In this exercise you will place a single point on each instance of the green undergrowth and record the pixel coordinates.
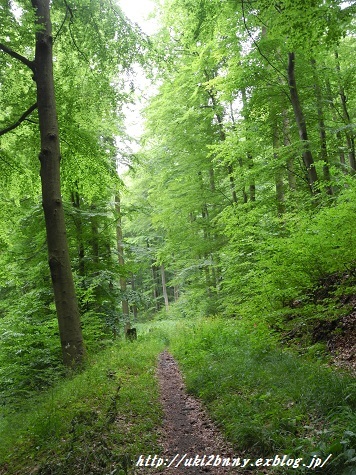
(266, 400)
(95, 422)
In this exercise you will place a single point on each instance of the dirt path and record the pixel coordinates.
(187, 430)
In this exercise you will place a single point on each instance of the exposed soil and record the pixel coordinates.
(338, 333)
(187, 430)
(342, 344)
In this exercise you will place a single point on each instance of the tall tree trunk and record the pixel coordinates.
(230, 168)
(232, 183)
(155, 287)
(58, 252)
(322, 130)
(120, 251)
(338, 133)
(133, 287)
(301, 124)
(155, 292)
(290, 161)
(350, 138)
(252, 186)
(243, 189)
(79, 231)
(164, 287)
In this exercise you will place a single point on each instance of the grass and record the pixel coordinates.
(268, 401)
(95, 422)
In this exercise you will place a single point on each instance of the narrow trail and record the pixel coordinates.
(187, 430)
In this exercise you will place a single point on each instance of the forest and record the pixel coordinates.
(224, 235)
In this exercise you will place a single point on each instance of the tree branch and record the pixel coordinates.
(19, 121)
(256, 44)
(71, 22)
(62, 24)
(19, 57)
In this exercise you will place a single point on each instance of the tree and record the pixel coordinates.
(94, 47)
(120, 251)
(58, 252)
(301, 124)
(240, 113)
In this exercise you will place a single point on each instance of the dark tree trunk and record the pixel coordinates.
(58, 252)
(301, 124)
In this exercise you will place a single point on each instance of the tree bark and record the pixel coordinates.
(155, 292)
(339, 138)
(120, 251)
(301, 124)
(79, 230)
(350, 139)
(222, 134)
(58, 252)
(155, 289)
(252, 186)
(290, 161)
(243, 189)
(133, 287)
(164, 287)
(322, 130)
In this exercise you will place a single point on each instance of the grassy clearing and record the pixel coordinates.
(265, 400)
(95, 422)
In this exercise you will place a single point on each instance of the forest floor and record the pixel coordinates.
(342, 345)
(188, 434)
(102, 419)
(332, 321)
